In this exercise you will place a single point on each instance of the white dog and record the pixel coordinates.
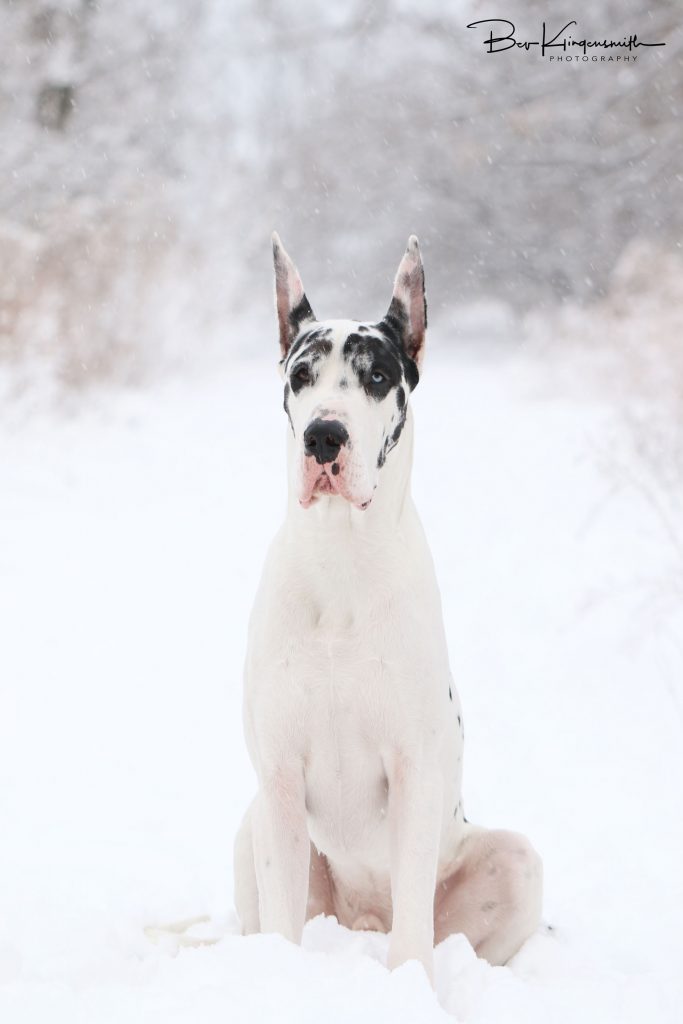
(352, 720)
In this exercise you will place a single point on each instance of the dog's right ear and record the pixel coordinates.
(407, 314)
(293, 308)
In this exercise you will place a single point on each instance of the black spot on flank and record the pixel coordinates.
(335, 469)
(363, 329)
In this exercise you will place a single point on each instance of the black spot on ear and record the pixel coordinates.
(301, 312)
(395, 323)
(412, 374)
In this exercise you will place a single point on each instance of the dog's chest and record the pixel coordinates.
(341, 696)
(348, 717)
(346, 664)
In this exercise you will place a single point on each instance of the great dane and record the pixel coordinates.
(351, 716)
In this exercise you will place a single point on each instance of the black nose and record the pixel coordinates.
(324, 438)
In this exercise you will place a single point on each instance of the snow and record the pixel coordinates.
(134, 527)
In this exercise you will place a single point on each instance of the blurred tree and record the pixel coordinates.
(188, 132)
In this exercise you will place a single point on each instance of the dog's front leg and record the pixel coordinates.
(415, 810)
(282, 851)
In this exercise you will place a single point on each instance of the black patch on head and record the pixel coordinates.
(381, 357)
(395, 327)
(370, 355)
(398, 428)
(392, 440)
(286, 406)
(307, 357)
(312, 334)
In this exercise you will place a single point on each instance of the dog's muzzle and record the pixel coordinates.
(323, 440)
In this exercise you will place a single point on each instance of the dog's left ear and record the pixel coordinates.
(407, 313)
(293, 308)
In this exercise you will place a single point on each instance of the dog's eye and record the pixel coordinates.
(377, 377)
(302, 374)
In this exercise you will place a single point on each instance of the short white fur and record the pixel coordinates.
(351, 716)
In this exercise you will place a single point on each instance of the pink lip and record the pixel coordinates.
(320, 481)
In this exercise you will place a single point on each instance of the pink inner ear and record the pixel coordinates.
(288, 285)
(409, 290)
(289, 293)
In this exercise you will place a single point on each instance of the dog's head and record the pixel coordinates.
(347, 382)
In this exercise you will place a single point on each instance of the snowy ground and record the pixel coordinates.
(131, 541)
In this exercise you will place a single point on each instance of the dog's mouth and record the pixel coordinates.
(326, 480)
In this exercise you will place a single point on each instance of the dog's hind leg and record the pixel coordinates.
(246, 889)
(493, 894)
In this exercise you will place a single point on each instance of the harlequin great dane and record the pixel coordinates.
(351, 717)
